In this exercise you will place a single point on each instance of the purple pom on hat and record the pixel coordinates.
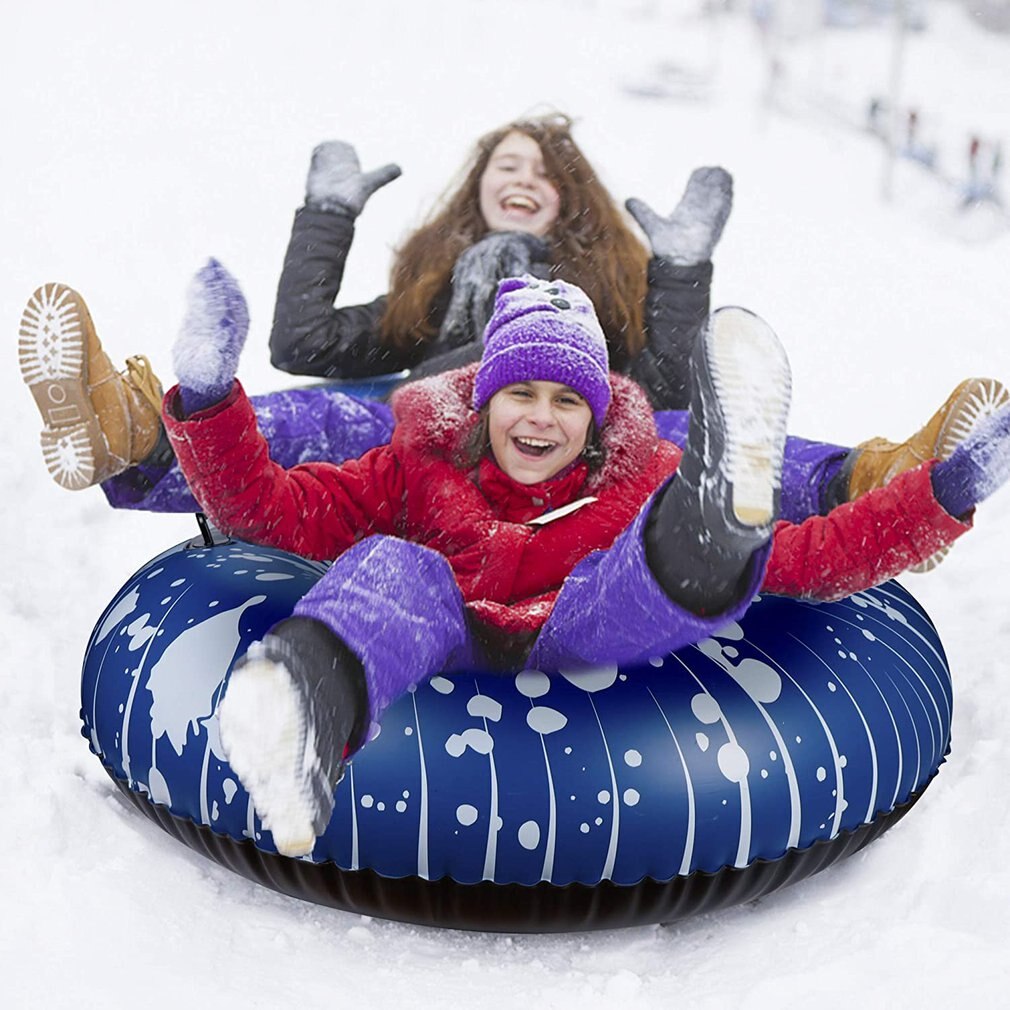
(544, 330)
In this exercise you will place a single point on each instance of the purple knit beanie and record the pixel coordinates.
(544, 330)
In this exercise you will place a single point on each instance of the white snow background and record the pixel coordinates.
(139, 139)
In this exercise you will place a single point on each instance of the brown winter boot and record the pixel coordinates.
(879, 460)
(97, 421)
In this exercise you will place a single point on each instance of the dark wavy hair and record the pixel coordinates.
(591, 244)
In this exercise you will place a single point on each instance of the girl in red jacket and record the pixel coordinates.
(528, 201)
(525, 512)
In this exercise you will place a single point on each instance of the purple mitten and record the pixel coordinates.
(206, 352)
(976, 468)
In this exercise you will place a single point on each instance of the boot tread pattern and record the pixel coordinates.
(978, 399)
(51, 355)
(269, 743)
(69, 456)
(51, 339)
(752, 378)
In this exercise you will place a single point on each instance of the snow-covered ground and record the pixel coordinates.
(138, 140)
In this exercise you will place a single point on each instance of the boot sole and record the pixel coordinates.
(750, 372)
(978, 399)
(51, 353)
(268, 745)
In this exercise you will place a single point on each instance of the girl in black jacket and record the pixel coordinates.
(529, 202)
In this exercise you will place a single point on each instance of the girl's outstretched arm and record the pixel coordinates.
(892, 528)
(862, 543)
(310, 336)
(680, 281)
(317, 510)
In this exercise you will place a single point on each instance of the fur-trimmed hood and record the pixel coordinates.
(434, 416)
(508, 566)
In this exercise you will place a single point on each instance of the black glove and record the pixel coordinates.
(690, 233)
(476, 275)
(336, 182)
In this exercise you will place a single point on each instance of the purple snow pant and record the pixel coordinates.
(807, 469)
(398, 607)
(324, 423)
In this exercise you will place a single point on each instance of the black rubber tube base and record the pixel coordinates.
(515, 908)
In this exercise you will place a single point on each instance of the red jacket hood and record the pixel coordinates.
(434, 416)
(509, 571)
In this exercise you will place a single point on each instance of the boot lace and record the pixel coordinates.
(142, 377)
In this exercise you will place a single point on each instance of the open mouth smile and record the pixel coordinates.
(519, 202)
(534, 448)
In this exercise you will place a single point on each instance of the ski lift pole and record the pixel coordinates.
(897, 67)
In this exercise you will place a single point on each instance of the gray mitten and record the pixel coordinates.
(476, 275)
(336, 182)
(688, 236)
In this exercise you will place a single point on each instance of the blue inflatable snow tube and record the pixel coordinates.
(534, 803)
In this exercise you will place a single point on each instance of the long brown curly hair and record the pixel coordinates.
(591, 244)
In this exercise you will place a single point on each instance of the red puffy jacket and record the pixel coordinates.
(509, 572)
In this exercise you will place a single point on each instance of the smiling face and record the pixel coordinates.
(537, 428)
(515, 192)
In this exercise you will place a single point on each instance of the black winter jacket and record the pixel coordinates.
(312, 337)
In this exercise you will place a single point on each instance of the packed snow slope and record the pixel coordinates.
(138, 140)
